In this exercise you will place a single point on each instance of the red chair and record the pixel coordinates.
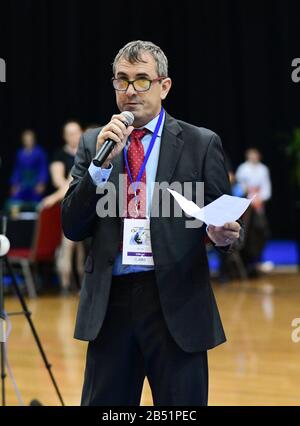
(46, 238)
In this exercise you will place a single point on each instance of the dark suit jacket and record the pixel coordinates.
(187, 153)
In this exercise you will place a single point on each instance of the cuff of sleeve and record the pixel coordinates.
(99, 176)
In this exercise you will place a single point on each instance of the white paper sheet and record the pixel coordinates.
(224, 209)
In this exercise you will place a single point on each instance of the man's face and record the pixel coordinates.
(28, 140)
(253, 156)
(72, 133)
(144, 105)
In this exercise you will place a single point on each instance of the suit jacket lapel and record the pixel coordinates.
(170, 150)
(118, 167)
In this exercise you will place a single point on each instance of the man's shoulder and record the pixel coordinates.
(188, 130)
(191, 130)
(202, 131)
(264, 167)
(243, 166)
(90, 135)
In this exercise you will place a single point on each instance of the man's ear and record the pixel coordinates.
(165, 87)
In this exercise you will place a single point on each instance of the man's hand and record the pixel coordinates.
(115, 130)
(224, 235)
(48, 201)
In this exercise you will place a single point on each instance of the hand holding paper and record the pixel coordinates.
(223, 210)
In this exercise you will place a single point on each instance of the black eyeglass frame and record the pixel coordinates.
(133, 81)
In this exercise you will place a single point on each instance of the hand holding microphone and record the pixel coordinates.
(112, 138)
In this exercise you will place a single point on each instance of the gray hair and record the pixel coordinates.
(131, 52)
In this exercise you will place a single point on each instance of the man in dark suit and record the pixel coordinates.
(143, 320)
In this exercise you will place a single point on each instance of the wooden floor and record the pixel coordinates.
(259, 365)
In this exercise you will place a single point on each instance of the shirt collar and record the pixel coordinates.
(152, 124)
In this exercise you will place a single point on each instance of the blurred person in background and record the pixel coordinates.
(60, 168)
(254, 178)
(30, 174)
(231, 265)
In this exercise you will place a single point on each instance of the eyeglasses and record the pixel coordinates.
(139, 85)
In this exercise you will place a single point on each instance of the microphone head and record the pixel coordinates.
(4, 245)
(129, 117)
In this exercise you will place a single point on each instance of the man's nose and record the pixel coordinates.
(131, 90)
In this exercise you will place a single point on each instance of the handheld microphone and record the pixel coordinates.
(109, 144)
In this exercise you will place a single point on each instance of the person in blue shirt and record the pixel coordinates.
(30, 172)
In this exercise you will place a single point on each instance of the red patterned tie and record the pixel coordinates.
(135, 156)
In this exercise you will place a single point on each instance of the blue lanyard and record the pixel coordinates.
(149, 150)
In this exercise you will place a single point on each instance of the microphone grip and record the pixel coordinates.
(105, 150)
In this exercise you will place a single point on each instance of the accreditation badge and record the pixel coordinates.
(137, 248)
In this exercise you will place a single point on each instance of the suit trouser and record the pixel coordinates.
(135, 342)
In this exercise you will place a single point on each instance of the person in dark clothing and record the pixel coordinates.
(156, 315)
(60, 168)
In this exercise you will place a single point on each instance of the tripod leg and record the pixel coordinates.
(3, 375)
(28, 278)
(2, 334)
(27, 314)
